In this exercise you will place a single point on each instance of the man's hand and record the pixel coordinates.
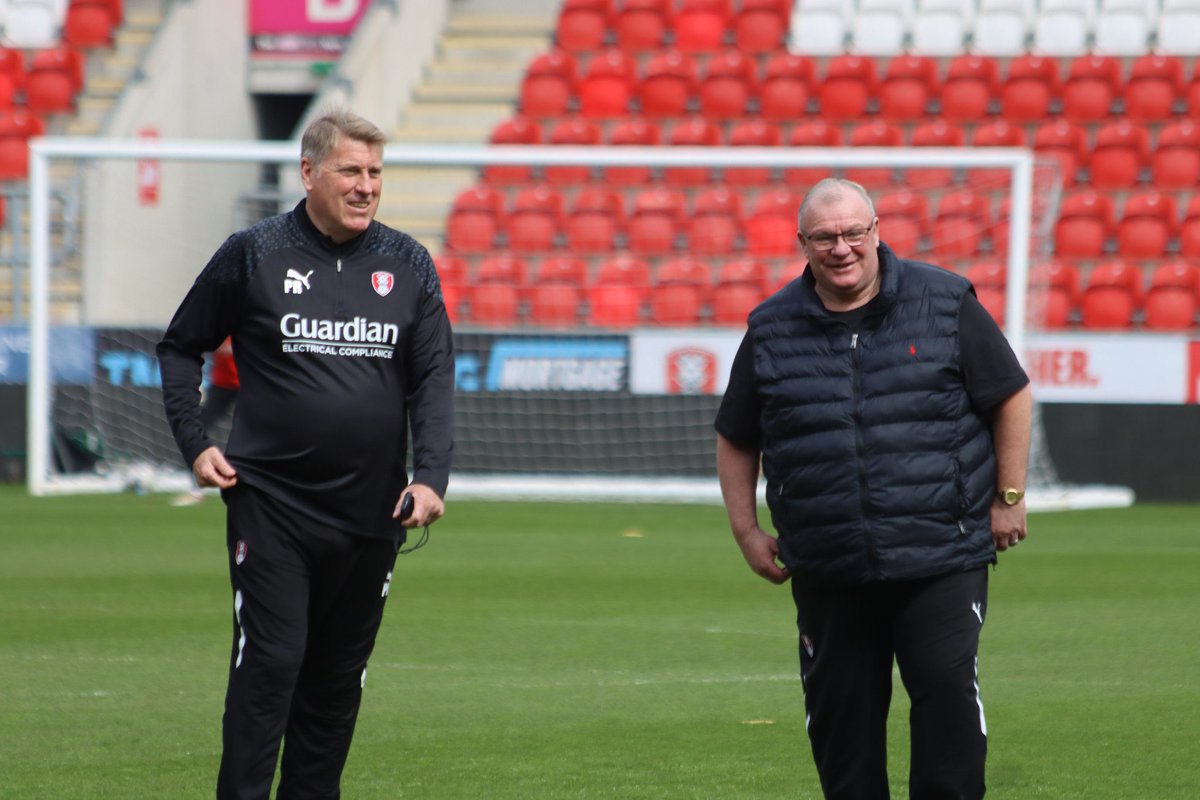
(761, 549)
(1008, 524)
(428, 508)
(211, 469)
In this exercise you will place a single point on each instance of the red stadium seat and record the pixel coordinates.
(760, 26)
(1155, 87)
(642, 25)
(785, 88)
(668, 84)
(959, 226)
(549, 85)
(681, 290)
(1112, 296)
(876, 133)
(1148, 222)
(595, 221)
(503, 268)
(1121, 150)
(16, 129)
(700, 26)
(633, 132)
(1066, 143)
(572, 131)
(903, 220)
(607, 85)
(54, 80)
(476, 216)
(1031, 83)
(556, 296)
(12, 65)
(517, 131)
(1173, 298)
(1093, 83)
(496, 294)
(815, 133)
(937, 133)
(752, 133)
(534, 220)
(691, 132)
(745, 270)
(1085, 222)
(731, 305)
(452, 274)
(728, 85)
(999, 133)
(1189, 232)
(583, 25)
(715, 224)
(741, 285)
(656, 221)
(1054, 293)
(1175, 161)
(972, 81)
(618, 295)
(89, 24)
(909, 84)
(847, 86)
(771, 225)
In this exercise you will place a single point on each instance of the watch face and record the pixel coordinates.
(1012, 496)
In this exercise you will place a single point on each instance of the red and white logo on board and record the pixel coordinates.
(382, 282)
(239, 552)
(691, 370)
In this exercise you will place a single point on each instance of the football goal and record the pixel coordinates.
(551, 404)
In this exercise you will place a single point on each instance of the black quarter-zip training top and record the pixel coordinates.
(340, 348)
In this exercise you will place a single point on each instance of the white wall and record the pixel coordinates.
(140, 260)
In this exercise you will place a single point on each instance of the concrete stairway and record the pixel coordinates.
(472, 83)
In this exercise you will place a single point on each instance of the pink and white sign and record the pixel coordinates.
(320, 17)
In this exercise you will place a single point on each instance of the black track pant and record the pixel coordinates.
(308, 601)
(848, 639)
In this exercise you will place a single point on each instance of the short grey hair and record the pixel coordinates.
(830, 189)
(324, 132)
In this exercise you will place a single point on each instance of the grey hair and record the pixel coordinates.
(830, 189)
(324, 132)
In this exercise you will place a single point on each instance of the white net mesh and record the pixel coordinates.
(592, 346)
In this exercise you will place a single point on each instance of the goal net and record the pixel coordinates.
(590, 361)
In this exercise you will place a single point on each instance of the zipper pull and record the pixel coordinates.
(854, 341)
(339, 265)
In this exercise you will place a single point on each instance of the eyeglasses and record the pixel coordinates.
(855, 237)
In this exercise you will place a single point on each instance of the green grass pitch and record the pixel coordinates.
(579, 651)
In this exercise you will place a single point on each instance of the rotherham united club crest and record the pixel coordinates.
(691, 370)
(382, 282)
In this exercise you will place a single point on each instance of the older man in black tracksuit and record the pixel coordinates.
(342, 345)
(892, 422)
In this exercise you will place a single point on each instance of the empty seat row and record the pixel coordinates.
(1120, 154)
(1150, 226)
(1111, 295)
(907, 87)
(624, 290)
(996, 27)
(692, 26)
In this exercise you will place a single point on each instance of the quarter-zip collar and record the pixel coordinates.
(346, 248)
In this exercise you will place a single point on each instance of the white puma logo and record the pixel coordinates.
(295, 283)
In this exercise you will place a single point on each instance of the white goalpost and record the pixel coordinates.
(77, 165)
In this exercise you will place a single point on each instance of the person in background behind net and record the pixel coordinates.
(343, 345)
(892, 423)
(219, 397)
